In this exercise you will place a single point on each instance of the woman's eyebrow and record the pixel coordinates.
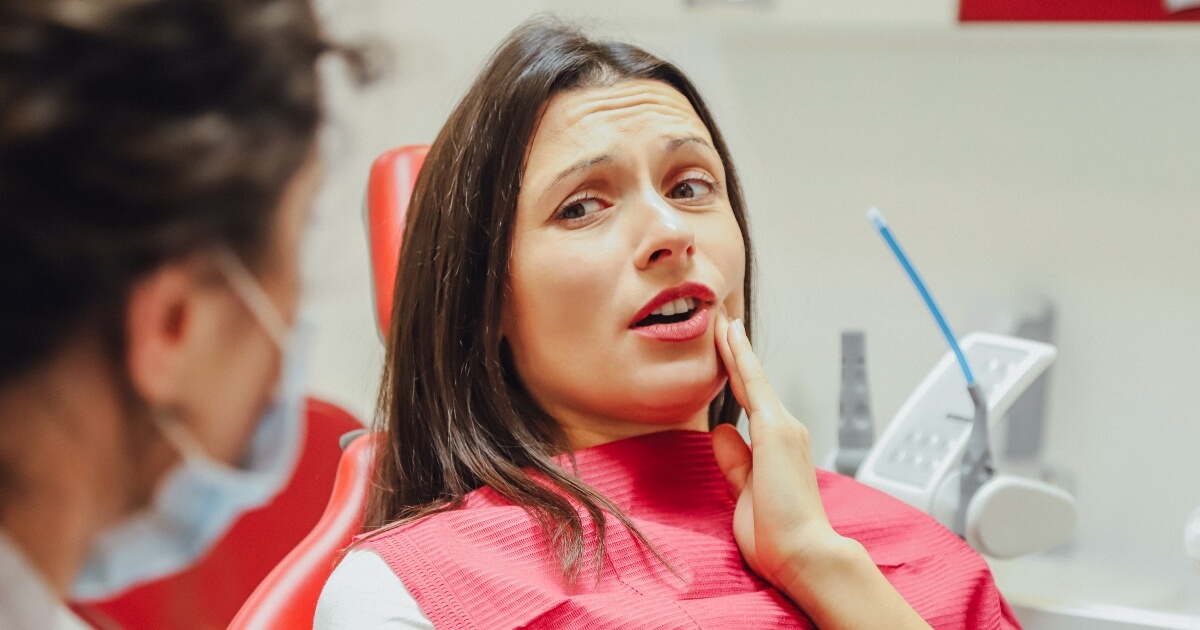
(675, 143)
(578, 166)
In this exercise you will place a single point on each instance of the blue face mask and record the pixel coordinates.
(201, 498)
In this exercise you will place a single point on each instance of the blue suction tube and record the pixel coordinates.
(881, 226)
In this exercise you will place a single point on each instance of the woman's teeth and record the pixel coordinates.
(681, 305)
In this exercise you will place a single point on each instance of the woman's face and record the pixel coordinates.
(624, 244)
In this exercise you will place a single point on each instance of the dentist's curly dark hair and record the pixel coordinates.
(134, 133)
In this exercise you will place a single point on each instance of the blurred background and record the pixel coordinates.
(1046, 163)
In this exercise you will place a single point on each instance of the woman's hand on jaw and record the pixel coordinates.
(779, 522)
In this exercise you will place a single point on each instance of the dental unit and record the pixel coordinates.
(936, 453)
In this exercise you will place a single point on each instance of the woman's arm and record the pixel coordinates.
(780, 523)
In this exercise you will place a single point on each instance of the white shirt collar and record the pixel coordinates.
(26, 601)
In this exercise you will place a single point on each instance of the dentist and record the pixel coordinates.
(157, 162)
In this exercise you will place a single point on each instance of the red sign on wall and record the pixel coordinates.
(1079, 10)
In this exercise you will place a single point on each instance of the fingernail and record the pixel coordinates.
(739, 331)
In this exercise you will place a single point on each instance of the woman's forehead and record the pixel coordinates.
(606, 118)
(617, 102)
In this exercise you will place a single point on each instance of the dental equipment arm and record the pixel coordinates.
(999, 515)
(977, 460)
(976, 467)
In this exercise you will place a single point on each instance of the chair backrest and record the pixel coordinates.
(209, 594)
(287, 598)
(389, 189)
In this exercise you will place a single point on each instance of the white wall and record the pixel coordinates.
(1056, 161)
(1059, 163)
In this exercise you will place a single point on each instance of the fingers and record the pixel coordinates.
(754, 392)
(726, 355)
(733, 456)
(758, 397)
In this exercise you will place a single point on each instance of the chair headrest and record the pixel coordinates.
(389, 190)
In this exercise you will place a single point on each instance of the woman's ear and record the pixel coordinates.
(169, 314)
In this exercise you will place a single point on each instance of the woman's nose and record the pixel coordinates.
(667, 235)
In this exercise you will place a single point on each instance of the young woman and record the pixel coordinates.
(157, 161)
(568, 329)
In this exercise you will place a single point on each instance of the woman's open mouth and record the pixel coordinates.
(677, 314)
(672, 312)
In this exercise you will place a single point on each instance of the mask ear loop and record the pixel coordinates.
(263, 310)
(253, 295)
(172, 429)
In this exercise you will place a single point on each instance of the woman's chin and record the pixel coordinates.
(673, 400)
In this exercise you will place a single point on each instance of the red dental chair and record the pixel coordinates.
(287, 598)
(389, 189)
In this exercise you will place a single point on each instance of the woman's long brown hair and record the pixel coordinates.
(455, 414)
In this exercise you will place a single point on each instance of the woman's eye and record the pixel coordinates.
(580, 209)
(690, 189)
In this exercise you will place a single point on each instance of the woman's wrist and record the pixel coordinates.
(837, 583)
(827, 562)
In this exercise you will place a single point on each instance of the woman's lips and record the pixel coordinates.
(695, 290)
(697, 296)
(685, 330)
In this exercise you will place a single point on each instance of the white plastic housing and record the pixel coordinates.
(1013, 516)
(917, 458)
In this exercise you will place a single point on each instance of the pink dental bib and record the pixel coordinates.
(488, 565)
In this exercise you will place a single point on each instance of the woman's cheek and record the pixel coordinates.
(722, 238)
(562, 286)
